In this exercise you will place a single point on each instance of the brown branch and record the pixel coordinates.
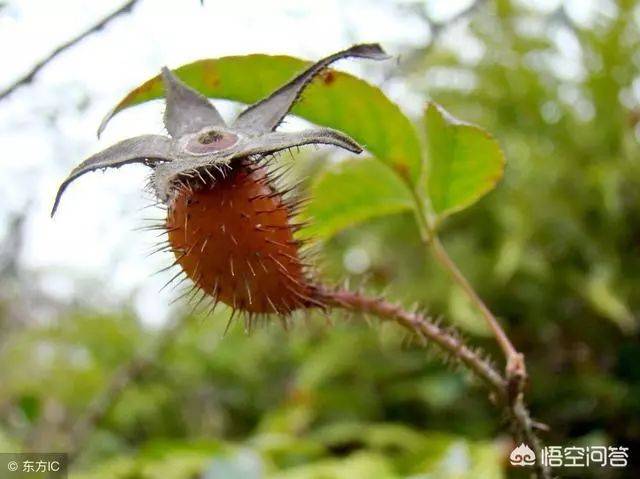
(521, 423)
(423, 327)
(524, 427)
(30, 75)
(515, 370)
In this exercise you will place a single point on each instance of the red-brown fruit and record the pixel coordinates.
(234, 240)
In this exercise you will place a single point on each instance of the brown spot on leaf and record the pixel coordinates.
(143, 92)
(402, 170)
(210, 75)
(328, 77)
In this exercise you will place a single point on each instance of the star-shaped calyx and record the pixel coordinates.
(200, 139)
(229, 225)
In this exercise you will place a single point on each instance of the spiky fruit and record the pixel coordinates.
(230, 232)
(232, 236)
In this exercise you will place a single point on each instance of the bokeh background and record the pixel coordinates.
(554, 251)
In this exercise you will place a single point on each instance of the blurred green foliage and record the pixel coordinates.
(312, 402)
(554, 251)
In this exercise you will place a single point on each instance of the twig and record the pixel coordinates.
(524, 427)
(126, 375)
(515, 370)
(436, 28)
(104, 403)
(29, 76)
(519, 417)
(424, 327)
(515, 360)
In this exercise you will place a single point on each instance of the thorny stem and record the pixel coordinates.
(422, 326)
(516, 375)
(515, 361)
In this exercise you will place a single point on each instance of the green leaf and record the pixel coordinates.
(464, 162)
(354, 191)
(335, 99)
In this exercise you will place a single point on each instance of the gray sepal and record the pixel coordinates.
(147, 149)
(267, 114)
(277, 141)
(187, 111)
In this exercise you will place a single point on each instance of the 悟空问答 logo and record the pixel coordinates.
(522, 455)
